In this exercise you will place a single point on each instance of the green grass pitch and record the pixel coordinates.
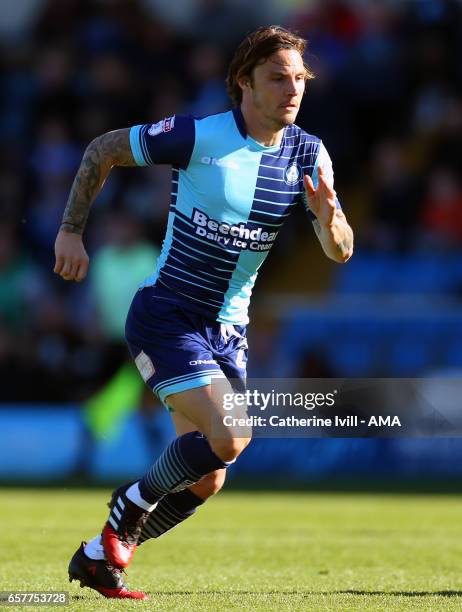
(252, 551)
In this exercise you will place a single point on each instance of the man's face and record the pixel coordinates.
(277, 87)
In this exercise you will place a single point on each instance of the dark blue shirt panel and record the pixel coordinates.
(170, 141)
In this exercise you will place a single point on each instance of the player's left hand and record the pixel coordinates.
(321, 200)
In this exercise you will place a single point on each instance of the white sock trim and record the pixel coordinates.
(134, 495)
(94, 549)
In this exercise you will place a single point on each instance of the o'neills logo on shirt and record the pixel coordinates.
(229, 235)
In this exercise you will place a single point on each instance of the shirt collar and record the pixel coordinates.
(240, 123)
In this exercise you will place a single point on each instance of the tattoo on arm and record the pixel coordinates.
(104, 152)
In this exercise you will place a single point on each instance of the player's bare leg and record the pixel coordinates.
(212, 446)
(203, 407)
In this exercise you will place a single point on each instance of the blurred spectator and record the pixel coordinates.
(110, 86)
(315, 364)
(117, 268)
(20, 280)
(17, 19)
(54, 92)
(224, 23)
(395, 194)
(207, 68)
(54, 161)
(442, 211)
(446, 146)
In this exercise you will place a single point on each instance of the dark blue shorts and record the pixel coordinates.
(176, 349)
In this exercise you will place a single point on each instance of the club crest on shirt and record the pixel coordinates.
(292, 174)
(166, 125)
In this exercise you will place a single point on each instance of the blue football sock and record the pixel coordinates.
(172, 509)
(185, 461)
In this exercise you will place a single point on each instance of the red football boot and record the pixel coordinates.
(100, 576)
(122, 531)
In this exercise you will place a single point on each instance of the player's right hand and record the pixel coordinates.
(71, 258)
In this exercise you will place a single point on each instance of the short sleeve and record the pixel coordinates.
(170, 141)
(324, 161)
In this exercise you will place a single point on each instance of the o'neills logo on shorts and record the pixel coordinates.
(228, 235)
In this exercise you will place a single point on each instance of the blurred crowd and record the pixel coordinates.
(387, 101)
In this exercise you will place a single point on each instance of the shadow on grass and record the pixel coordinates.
(402, 593)
(308, 593)
(153, 594)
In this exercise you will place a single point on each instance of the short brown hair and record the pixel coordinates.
(255, 49)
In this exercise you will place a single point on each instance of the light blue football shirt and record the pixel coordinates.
(230, 197)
